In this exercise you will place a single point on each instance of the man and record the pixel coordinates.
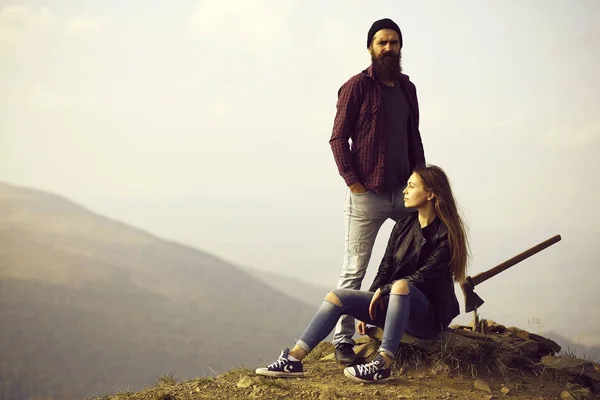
(378, 111)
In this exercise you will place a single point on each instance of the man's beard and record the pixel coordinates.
(388, 66)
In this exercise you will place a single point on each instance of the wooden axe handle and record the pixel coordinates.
(484, 276)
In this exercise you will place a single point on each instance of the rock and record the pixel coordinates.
(580, 370)
(245, 382)
(366, 350)
(505, 390)
(494, 327)
(529, 348)
(375, 333)
(517, 332)
(456, 339)
(446, 338)
(482, 385)
(579, 392)
(564, 395)
(546, 346)
(550, 347)
(362, 339)
(471, 334)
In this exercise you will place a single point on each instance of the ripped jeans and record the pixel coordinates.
(409, 313)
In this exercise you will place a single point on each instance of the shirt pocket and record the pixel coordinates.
(370, 105)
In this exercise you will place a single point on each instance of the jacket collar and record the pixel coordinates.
(437, 225)
(414, 241)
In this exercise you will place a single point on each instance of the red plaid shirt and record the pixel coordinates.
(360, 117)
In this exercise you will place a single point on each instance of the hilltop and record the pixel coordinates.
(506, 362)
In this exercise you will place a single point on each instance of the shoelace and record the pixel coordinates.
(369, 368)
(279, 363)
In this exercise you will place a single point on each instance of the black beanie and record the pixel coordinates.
(385, 23)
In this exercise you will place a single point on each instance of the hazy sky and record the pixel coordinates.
(208, 122)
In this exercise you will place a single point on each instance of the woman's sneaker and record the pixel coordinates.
(283, 367)
(369, 373)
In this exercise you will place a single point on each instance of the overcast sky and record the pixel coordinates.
(208, 122)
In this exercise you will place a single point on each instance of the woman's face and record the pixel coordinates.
(414, 194)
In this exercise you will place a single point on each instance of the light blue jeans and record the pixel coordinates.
(409, 313)
(364, 215)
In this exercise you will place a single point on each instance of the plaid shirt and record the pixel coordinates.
(360, 117)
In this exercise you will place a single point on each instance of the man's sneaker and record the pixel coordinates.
(345, 355)
(369, 373)
(283, 367)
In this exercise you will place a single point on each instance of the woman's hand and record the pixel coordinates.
(361, 327)
(376, 301)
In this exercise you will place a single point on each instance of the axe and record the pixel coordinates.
(472, 300)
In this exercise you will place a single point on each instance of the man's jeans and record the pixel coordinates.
(364, 215)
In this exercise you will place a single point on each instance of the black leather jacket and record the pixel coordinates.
(424, 263)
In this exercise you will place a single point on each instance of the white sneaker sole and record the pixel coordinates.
(355, 379)
(279, 374)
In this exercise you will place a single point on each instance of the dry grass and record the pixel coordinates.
(570, 352)
(481, 357)
(277, 383)
(204, 380)
(168, 379)
(236, 372)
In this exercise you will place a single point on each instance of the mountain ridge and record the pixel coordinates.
(118, 306)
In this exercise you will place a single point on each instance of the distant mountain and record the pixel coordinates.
(305, 292)
(89, 305)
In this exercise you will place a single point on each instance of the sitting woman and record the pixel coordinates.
(414, 287)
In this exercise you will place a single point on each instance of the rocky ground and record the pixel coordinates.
(327, 382)
(502, 363)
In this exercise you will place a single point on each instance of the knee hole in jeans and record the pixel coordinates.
(400, 287)
(333, 298)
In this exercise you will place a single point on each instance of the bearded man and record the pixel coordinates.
(378, 111)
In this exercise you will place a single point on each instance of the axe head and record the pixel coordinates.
(472, 300)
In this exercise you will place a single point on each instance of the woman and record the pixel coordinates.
(414, 287)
